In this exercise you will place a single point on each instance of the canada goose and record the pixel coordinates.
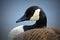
(33, 13)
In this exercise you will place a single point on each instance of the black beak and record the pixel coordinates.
(21, 19)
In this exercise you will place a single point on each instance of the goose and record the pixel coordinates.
(33, 13)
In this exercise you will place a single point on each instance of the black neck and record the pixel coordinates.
(38, 24)
(41, 23)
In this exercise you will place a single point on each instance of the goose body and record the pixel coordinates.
(33, 13)
(15, 31)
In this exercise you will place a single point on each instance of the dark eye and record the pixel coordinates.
(32, 11)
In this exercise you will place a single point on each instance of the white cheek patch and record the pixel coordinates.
(35, 15)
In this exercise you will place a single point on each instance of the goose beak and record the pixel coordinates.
(21, 19)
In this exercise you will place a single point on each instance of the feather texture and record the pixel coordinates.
(40, 34)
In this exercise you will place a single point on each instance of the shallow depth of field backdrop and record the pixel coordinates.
(12, 10)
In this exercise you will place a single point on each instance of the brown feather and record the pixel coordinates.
(40, 34)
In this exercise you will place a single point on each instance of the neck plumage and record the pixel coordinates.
(38, 24)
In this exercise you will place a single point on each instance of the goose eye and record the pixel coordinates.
(32, 11)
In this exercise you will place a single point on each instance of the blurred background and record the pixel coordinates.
(12, 10)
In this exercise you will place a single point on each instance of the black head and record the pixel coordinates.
(33, 13)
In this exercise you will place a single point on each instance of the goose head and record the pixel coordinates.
(34, 13)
